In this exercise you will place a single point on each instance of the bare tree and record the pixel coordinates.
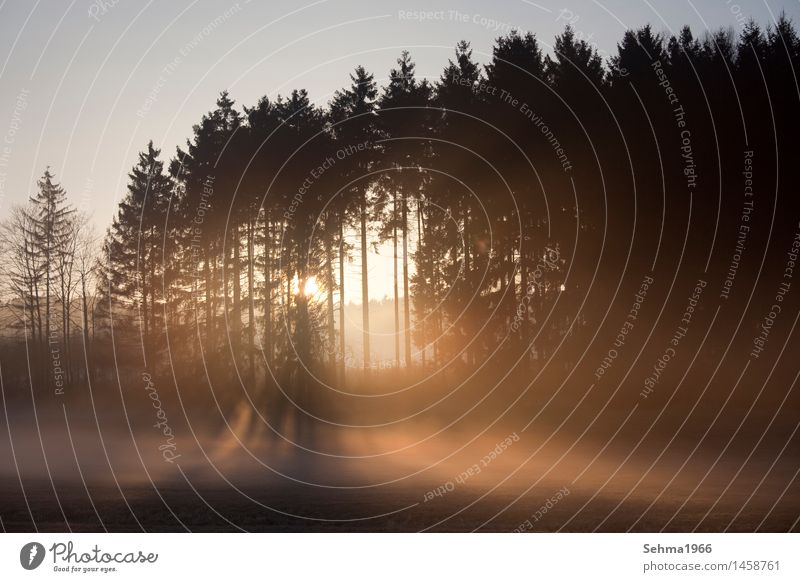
(64, 259)
(87, 250)
(22, 268)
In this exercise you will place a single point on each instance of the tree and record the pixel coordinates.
(575, 67)
(65, 270)
(132, 261)
(23, 268)
(405, 120)
(517, 71)
(52, 233)
(461, 139)
(85, 262)
(353, 125)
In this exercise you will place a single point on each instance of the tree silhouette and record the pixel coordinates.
(352, 113)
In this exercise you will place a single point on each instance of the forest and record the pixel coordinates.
(528, 205)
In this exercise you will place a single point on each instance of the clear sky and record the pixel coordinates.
(84, 84)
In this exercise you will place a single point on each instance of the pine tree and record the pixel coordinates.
(405, 120)
(352, 113)
(132, 260)
(52, 237)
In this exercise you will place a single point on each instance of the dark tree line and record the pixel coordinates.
(505, 190)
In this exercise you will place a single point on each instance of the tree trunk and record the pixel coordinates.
(251, 321)
(86, 345)
(65, 363)
(268, 288)
(420, 238)
(523, 278)
(396, 291)
(287, 314)
(47, 297)
(145, 313)
(31, 314)
(237, 295)
(365, 284)
(468, 288)
(46, 343)
(341, 304)
(40, 343)
(209, 296)
(406, 294)
(329, 283)
(153, 312)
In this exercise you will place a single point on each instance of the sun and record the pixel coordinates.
(310, 288)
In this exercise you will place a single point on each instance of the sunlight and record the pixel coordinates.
(310, 288)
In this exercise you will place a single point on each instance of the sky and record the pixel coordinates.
(84, 84)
